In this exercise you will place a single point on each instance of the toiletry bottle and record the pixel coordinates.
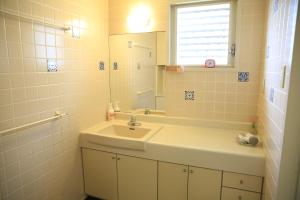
(116, 106)
(110, 112)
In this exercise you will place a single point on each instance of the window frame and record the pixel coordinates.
(232, 29)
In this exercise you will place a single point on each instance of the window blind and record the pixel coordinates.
(202, 33)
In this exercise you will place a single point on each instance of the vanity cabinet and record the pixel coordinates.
(172, 181)
(180, 182)
(109, 175)
(114, 176)
(204, 184)
(137, 178)
(100, 174)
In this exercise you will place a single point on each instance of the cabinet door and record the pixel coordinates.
(172, 181)
(137, 178)
(204, 184)
(100, 174)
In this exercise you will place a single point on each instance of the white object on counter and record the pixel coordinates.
(248, 139)
(110, 112)
(116, 106)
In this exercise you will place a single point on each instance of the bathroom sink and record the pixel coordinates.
(118, 134)
(125, 131)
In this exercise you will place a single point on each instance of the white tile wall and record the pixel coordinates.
(279, 41)
(44, 162)
(218, 94)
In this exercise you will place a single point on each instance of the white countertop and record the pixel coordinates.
(192, 145)
(201, 138)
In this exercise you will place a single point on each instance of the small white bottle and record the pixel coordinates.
(110, 112)
(116, 106)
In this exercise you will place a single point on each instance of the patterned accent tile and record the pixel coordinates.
(115, 66)
(189, 95)
(243, 76)
(101, 65)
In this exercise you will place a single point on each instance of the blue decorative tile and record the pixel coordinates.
(115, 66)
(101, 65)
(243, 76)
(189, 95)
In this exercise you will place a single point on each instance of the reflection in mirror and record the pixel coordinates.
(137, 70)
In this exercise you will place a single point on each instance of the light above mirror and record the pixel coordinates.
(140, 19)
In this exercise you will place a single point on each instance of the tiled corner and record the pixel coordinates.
(273, 98)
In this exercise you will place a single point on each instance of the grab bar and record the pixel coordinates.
(57, 115)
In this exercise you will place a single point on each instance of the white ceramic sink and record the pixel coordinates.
(118, 134)
(124, 131)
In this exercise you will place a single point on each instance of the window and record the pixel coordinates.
(203, 31)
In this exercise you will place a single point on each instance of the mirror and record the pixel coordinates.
(137, 71)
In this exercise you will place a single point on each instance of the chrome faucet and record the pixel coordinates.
(133, 122)
(147, 111)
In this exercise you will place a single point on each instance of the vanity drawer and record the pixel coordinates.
(242, 181)
(235, 194)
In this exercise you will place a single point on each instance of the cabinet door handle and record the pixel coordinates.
(241, 182)
(118, 158)
(113, 157)
(184, 170)
(240, 197)
(191, 171)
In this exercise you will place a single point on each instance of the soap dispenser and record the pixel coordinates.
(110, 112)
